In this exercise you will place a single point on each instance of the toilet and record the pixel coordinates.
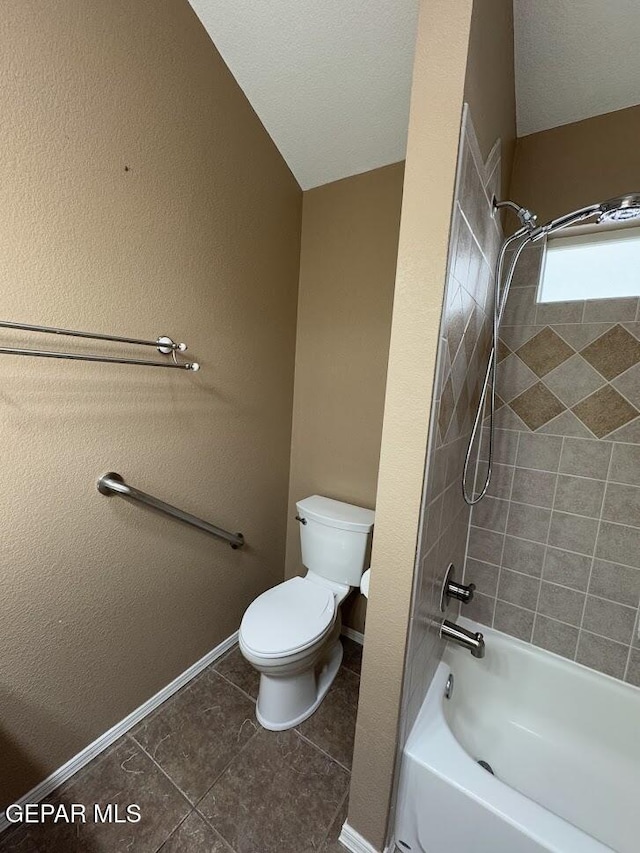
(291, 633)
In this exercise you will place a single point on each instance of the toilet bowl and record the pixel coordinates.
(291, 633)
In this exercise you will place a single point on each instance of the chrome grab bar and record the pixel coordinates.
(113, 484)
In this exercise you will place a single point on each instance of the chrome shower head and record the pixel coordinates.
(620, 209)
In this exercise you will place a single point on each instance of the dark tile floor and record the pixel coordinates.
(209, 779)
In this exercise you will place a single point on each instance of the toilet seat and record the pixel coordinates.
(288, 618)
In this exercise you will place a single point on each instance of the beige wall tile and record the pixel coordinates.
(602, 654)
(513, 620)
(556, 637)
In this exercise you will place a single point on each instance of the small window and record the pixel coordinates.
(590, 264)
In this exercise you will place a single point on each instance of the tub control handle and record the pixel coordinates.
(452, 589)
(463, 592)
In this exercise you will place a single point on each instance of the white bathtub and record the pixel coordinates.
(562, 740)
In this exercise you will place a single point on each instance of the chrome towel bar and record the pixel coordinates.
(113, 484)
(163, 344)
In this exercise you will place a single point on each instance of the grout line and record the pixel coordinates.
(164, 773)
(471, 231)
(595, 551)
(504, 539)
(562, 622)
(562, 435)
(475, 485)
(348, 669)
(556, 323)
(594, 437)
(218, 834)
(546, 549)
(226, 766)
(324, 838)
(323, 751)
(228, 680)
(565, 550)
(597, 517)
(555, 583)
(636, 627)
(175, 785)
(175, 829)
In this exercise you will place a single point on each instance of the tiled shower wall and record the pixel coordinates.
(554, 549)
(464, 345)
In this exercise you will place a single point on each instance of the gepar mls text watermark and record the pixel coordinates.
(73, 813)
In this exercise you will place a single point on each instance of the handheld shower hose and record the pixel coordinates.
(613, 210)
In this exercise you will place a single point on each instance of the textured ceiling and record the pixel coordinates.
(575, 59)
(329, 80)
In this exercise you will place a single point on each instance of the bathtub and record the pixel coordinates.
(563, 742)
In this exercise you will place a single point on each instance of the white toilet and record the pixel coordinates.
(291, 633)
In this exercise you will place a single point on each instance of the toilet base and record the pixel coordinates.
(286, 701)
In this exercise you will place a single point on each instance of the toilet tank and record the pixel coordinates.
(335, 538)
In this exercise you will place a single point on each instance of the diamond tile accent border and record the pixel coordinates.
(574, 380)
(613, 353)
(503, 350)
(604, 411)
(545, 351)
(555, 550)
(537, 405)
(570, 381)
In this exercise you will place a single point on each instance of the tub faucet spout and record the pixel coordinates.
(473, 642)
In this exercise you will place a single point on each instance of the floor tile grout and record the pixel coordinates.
(233, 684)
(213, 829)
(231, 760)
(194, 804)
(167, 702)
(185, 806)
(332, 821)
(323, 751)
(162, 770)
(174, 830)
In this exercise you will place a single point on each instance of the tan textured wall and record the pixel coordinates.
(448, 44)
(489, 84)
(347, 274)
(434, 126)
(567, 167)
(103, 602)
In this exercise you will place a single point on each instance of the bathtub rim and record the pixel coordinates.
(432, 745)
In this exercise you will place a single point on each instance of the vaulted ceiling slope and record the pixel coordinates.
(329, 80)
(575, 59)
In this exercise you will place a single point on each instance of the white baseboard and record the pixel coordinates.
(35, 795)
(353, 841)
(356, 636)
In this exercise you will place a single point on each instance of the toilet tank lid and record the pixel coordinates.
(336, 513)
